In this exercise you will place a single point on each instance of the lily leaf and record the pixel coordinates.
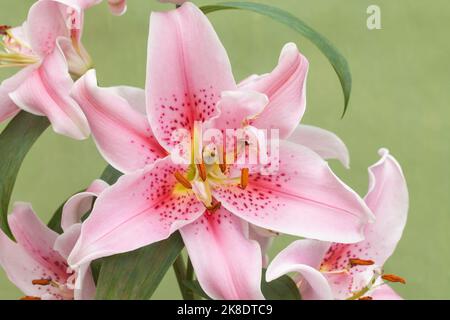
(136, 275)
(283, 288)
(336, 59)
(195, 287)
(15, 141)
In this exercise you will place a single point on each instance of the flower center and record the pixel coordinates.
(14, 52)
(208, 171)
(63, 290)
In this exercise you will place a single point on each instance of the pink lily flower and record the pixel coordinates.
(48, 49)
(37, 262)
(189, 86)
(354, 271)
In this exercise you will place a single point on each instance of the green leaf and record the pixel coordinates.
(283, 288)
(55, 221)
(196, 288)
(110, 175)
(336, 59)
(15, 141)
(137, 274)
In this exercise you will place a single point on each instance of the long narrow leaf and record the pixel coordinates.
(336, 59)
(15, 142)
(136, 275)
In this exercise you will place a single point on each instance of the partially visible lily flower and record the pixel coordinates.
(354, 271)
(48, 49)
(190, 86)
(37, 262)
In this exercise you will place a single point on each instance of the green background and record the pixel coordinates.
(400, 100)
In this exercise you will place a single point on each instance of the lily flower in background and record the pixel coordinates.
(189, 86)
(37, 262)
(48, 49)
(354, 271)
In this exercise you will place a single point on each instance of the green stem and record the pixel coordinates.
(190, 277)
(180, 273)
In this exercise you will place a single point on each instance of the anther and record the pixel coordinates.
(181, 179)
(202, 171)
(41, 282)
(360, 262)
(366, 298)
(30, 298)
(3, 29)
(393, 278)
(244, 178)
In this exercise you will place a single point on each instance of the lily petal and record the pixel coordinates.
(45, 24)
(46, 92)
(121, 132)
(323, 142)
(385, 292)
(117, 7)
(37, 240)
(286, 88)
(79, 204)
(303, 198)
(265, 239)
(303, 257)
(187, 70)
(21, 268)
(156, 206)
(226, 262)
(236, 106)
(388, 200)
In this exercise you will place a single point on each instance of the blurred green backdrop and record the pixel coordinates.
(400, 100)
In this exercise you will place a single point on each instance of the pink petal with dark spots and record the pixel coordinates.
(141, 208)
(187, 70)
(226, 262)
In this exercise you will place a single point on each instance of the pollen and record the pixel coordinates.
(366, 298)
(4, 29)
(393, 278)
(182, 180)
(244, 178)
(30, 298)
(41, 282)
(202, 171)
(360, 262)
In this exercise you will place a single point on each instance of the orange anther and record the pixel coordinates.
(202, 171)
(41, 282)
(393, 278)
(244, 178)
(360, 262)
(181, 179)
(30, 298)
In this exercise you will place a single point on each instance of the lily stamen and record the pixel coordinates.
(4, 28)
(393, 278)
(244, 178)
(41, 282)
(360, 262)
(30, 298)
(182, 180)
(202, 171)
(366, 298)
